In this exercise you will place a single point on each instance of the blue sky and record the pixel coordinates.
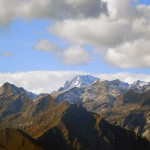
(20, 37)
(145, 1)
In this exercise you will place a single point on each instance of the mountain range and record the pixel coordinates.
(87, 113)
(122, 104)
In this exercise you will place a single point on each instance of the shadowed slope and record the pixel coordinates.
(72, 127)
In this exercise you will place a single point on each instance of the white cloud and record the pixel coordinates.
(49, 9)
(144, 10)
(99, 32)
(105, 31)
(45, 45)
(125, 77)
(131, 54)
(75, 56)
(48, 81)
(38, 81)
(122, 9)
(124, 33)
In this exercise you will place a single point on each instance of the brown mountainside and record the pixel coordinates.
(12, 139)
(72, 127)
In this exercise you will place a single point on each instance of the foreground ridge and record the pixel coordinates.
(72, 127)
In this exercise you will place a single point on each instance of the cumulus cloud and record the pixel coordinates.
(122, 9)
(103, 31)
(107, 31)
(74, 55)
(99, 32)
(119, 33)
(131, 54)
(49, 9)
(48, 81)
(144, 10)
(45, 45)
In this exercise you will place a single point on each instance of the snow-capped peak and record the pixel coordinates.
(139, 84)
(79, 81)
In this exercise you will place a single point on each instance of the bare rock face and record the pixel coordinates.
(98, 92)
(98, 96)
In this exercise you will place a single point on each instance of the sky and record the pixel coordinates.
(43, 43)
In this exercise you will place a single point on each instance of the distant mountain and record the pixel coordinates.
(79, 81)
(98, 92)
(119, 103)
(11, 89)
(140, 86)
(14, 100)
(13, 103)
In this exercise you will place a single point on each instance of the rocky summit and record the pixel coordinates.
(79, 81)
